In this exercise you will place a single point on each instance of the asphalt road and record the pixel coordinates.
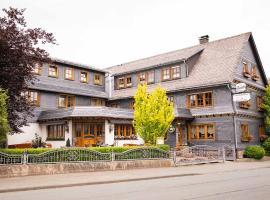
(234, 184)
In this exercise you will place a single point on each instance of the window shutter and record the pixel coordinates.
(38, 98)
(188, 101)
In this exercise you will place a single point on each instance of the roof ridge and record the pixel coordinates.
(76, 64)
(190, 47)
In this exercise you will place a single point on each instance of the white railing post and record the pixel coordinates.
(25, 156)
(174, 156)
(113, 156)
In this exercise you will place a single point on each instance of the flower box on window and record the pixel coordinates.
(263, 137)
(244, 104)
(246, 74)
(255, 77)
(55, 139)
(246, 138)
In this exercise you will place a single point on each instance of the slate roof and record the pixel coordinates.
(154, 61)
(69, 89)
(102, 111)
(216, 65)
(87, 111)
(75, 64)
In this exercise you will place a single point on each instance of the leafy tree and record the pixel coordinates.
(153, 113)
(4, 127)
(266, 107)
(20, 51)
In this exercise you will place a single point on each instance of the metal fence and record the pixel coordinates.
(7, 159)
(198, 154)
(69, 155)
(142, 154)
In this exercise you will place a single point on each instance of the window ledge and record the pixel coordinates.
(255, 78)
(246, 74)
(52, 76)
(246, 139)
(126, 138)
(55, 139)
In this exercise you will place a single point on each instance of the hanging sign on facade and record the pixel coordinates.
(241, 97)
(240, 87)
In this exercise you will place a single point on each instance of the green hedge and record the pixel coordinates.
(266, 145)
(254, 151)
(99, 149)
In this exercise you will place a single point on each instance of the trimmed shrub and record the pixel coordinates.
(99, 149)
(266, 145)
(68, 143)
(254, 151)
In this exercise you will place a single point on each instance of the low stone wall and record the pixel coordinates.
(61, 168)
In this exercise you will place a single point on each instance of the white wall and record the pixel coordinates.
(29, 131)
(27, 135)
(109, 135)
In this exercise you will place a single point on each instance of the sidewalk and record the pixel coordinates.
(92, 178)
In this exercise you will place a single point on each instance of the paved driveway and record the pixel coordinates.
(218, 181)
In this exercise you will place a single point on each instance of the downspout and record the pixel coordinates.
(234, 120)
(186, 67)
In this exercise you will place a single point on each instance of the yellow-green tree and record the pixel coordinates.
(153, 113)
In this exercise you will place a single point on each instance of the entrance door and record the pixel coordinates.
(88, 134)
(179, 137)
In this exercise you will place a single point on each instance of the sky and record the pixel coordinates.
(103, 33)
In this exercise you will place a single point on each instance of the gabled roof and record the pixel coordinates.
(215, 65)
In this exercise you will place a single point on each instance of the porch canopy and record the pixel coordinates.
(183, 113)
(100, 112)
(86, 111)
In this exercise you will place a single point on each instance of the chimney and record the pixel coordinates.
(204, 39)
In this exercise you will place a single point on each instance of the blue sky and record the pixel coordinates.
(105, 32)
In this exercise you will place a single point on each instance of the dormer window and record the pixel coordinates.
(121, 82)
(166, 74)
(84, 77)
(128, 81)
(124, 82)
(69, 73)
(142, 78)
(150, 77)
(97, 79)
(175, 72)
(37, 68)
(53, 71)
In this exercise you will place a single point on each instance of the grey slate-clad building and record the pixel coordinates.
(92, 106)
